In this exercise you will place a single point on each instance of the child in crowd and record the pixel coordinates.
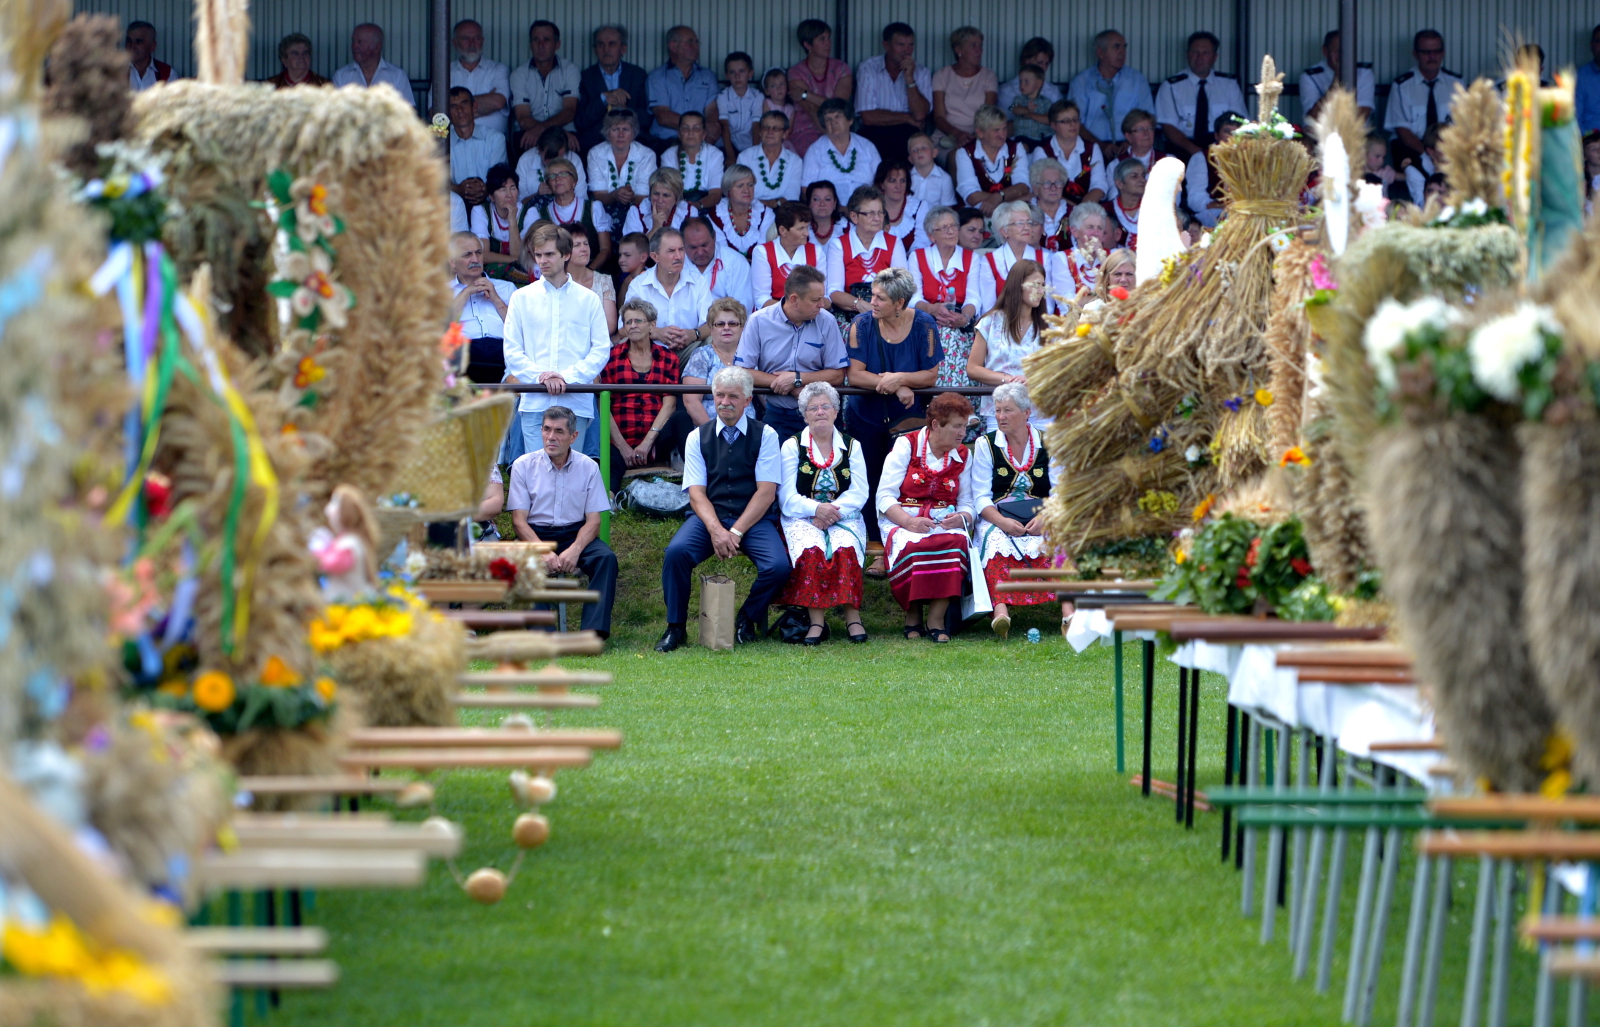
(1029, 112)
(739, 106)
(929, 182)
(1420, 171)
(633, 256)
(530, 168)
(775, 84)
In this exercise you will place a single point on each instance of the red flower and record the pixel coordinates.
(1243, 580)
(503, 570)
(1302, 566)
(1254, 554)
(157, 494)
(1118, 292)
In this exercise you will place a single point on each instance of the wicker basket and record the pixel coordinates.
(449, 468)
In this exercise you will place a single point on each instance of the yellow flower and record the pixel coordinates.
(327, 689)
(1556, 785)
(278, 674)
(1083, 330)
(1180, 557)
(59, 950)
(174, 687)
(1296, 456)
(1204, 506)
(1264, 397)
(213, 691)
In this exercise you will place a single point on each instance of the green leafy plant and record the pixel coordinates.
(1135, 557)
(1237, 566)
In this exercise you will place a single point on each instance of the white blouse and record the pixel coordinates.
(730, 236)
(635, 221)
(850, 502)
(894, 475)
(983, 458)
(703, 173)
(605, 175)
(910, 224)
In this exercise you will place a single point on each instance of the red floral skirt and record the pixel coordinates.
(820, 584)
(930, 568)
(999, 567)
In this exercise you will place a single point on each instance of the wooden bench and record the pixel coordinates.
(498, 699)
(336, 784)
(501, 620)
(263, 869)
(444, 759)
(255, 941)
(425, 737)
(288, 975)
(438, 839)
(440, 591)
(550, 677)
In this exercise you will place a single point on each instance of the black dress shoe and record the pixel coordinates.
(671, 639)
(746, 630)
(811, 639)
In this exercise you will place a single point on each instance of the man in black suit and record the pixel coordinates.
(608, 84)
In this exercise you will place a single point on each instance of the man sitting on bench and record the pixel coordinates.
(557, 496)
(730, 470)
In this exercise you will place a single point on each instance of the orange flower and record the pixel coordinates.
(327, 689)
(213, 691)
(1204, 506)
(453, 340)
(278, 674)
(308, 373)
(1296, 456)
(318, 201)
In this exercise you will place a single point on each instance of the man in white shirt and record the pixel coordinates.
(544, 92)
(731, 467)
(144, 70)
(1316, 80)
(778, 168)
(367, 66)
(1107, 90)
(488, 79)
(680, 299)
(723, 271)
(556, 335)
(1202, 188)
(1420, 97)
(1187, 104)
(893, 92)
(473, 149)
(480, 308)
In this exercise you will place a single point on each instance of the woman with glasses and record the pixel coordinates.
(943, 271)
(822, 490)
(727, 317)
(639, 420)
(1049, 181)
(664, 207)
(1010, 482)
(1084, 166)
(563, 205)
(860, 253)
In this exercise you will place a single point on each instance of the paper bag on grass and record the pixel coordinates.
(718, 603)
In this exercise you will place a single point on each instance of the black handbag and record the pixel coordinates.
(1021, 510)
(791, 625)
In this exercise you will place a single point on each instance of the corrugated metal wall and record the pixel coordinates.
(1476, 31)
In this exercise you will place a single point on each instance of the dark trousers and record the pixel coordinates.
(876, 441)
(486, 361)
(891, 140)
(786, 421)
(691, 546)
(599, 565)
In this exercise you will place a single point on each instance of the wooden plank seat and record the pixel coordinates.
(333, 784)
(286, 975)
(352, 817)
(558, 584)
(445, 759)
(425, 737)
(1562, 929)
(1068, 581)
(1570, 964)
(514, 550)
(500, 699)
(1522, 845)
(256, 941)
(1354, 675)
(1420, 745)
(441, 591)
(502, 620)
(439, 840)
(545, 677)
(1245, 630)
(260, 869)
(1359, 655)
(561, 595)
(1583, 809)
(522, 646)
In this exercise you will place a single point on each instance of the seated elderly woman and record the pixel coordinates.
(1010, 482)
(822, 492)
(924, 503)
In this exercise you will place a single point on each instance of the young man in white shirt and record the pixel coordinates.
(681, 300)
(556, 335)
(1188, 103)
(367, 67)
(144, 70)
(488, 79)
(1316, 80)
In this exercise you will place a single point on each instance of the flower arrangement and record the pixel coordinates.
(54, 947)
(1473, 213)
(1276, 126)
(1232, 565)
(279, 698)
(129, 190)
(1133, 558)
(344, 625)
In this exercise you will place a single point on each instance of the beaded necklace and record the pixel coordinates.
(612, 166)
(699, 170)
(811, 451)
(833, 158)
(1031, 451)
(761, 169)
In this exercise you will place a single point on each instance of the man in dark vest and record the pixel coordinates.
(730, 470)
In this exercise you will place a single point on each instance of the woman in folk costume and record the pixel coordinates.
(1010, 481)
(1086, 170)
(991, 169)
(740, 222)
(1012, 225)
(1131, 177)
(902, 212)
(664, 207)
(771, 262)
(924, 506)
(860, 253)
(1008, 333)
(822, 491)
(943, 271)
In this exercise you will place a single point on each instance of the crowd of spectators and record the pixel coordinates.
(892, 226)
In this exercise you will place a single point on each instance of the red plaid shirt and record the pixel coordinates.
(635, 411)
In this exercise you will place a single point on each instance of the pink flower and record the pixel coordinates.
(1320, 277)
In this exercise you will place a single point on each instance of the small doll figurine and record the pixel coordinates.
(344, 549)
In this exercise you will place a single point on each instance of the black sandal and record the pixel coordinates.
(916, 631)
(939, 635)
(851, 635)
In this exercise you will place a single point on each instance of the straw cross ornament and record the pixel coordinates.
(1269, 89)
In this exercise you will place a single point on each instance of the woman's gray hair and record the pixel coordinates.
(815, 389)
(1016, 393)
(734, 377)
(1043, 164)
(644, 307)
(936, 215)
(736, 174)
(1002, 215)
(897, 284)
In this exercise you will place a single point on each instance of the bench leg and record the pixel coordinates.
(1330, 903)
(1275, 837)
(1147, 651)
(1380, 926)
(1116, 660)
(1227, 778)
(1545, 991)
(1183, 738)
(1500, 971)
(1194, 745)
(1313, 872)
(1413, 953)
(1438, 917)
(1358, 937)
(1472, 998)
(1247, 847)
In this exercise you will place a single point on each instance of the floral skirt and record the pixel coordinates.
(819, 584)
(998, 568)
(957, 345)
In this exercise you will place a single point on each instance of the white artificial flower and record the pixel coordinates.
(1390, 325)
(1501, 347)
(1475, 208)
(1192, 454)
(416, 563)
(1445, 215)
(1371, 204)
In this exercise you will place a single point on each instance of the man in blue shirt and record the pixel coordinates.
(1589, 87)
(1107, 90)
(681, 85)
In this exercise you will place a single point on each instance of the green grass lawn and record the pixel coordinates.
(897, 833)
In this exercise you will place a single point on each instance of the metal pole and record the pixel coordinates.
(1308, 897)
(1194, 744)
(1183, 735)
(1347, 44)
(1116, 644)
(1330, 902)
(841, 29)
(1438, 917)
(1227, 780)
(1147, 652)
(1472, 999)
(605, 462)
(1409, 977)
(1241, 43)
(1500, 968)
(1247, 847)
(439, 55)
